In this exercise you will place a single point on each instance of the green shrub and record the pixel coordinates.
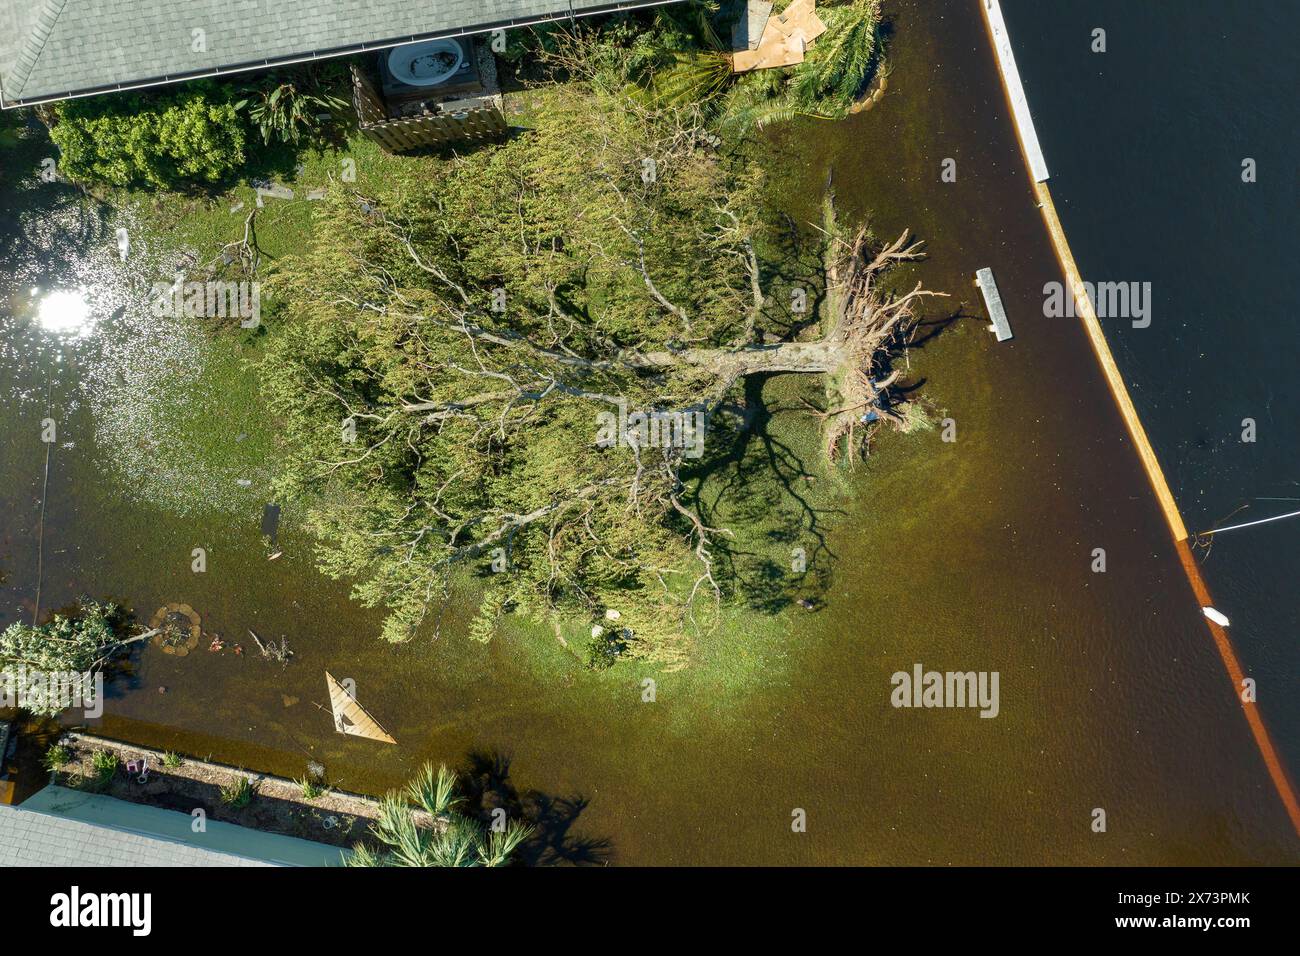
(604, 650)
(238, 794)
(171, 760)
(450, 838)
(56, 758)
(311, 789)
(285, 105)
(104, 763)
(193, 134)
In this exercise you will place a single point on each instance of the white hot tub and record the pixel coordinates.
(426, 64)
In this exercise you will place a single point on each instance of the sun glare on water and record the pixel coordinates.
(64, 312)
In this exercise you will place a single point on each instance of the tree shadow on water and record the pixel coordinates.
(48, 227)
(755, 483)
(487, 786)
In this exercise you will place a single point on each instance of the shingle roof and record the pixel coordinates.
(53, 49)
(61, 827)
(35, 839)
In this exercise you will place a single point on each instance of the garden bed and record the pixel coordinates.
(276, 805)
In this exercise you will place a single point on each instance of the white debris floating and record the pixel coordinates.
(993, 303)
(1214, 616)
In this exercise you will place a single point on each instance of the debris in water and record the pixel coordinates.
(1215, 616)
(274, 191)
(350, 717)
(270, 521)
(270, 649)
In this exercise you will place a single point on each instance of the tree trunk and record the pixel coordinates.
(729, 364)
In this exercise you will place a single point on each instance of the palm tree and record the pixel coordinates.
(825, 85)
(421, 826)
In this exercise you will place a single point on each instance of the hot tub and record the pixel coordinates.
(426, 64)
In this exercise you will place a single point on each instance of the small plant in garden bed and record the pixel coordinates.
(445, 836)
(57, 757)
(103, 764)
(311, 789)
(239, 794)
(171, 760)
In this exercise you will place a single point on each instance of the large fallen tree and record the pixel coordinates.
(451, 352)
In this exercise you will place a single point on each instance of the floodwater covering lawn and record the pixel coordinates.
(970, 555)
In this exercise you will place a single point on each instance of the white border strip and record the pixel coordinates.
(1016, 90)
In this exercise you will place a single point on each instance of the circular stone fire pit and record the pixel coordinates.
(178, 629)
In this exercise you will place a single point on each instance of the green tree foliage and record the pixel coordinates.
(191, 134)
(605, 234)
(836, 71)
(452, 352)
(423, 826)
(67, 643)
(79, 644)
(680, 60)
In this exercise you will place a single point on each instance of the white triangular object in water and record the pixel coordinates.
(350, 717)
(1214, 616)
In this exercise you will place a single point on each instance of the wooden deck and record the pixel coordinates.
(467, 120)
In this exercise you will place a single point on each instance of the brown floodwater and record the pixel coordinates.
(972, 555)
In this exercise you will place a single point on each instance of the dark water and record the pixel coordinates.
(965, 556)
(1145, 143)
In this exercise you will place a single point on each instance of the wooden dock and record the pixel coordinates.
(993, 303)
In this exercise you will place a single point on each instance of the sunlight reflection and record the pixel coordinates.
(64, 312)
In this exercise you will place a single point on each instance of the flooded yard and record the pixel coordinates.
(965, 555)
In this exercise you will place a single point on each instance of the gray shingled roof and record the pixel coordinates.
(62, 827)
(34, 839)
(52, 49)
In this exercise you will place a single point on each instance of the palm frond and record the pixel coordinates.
(434, 793)
(501, 845)
(406, 838)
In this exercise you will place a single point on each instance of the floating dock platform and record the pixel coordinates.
(993, 303)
